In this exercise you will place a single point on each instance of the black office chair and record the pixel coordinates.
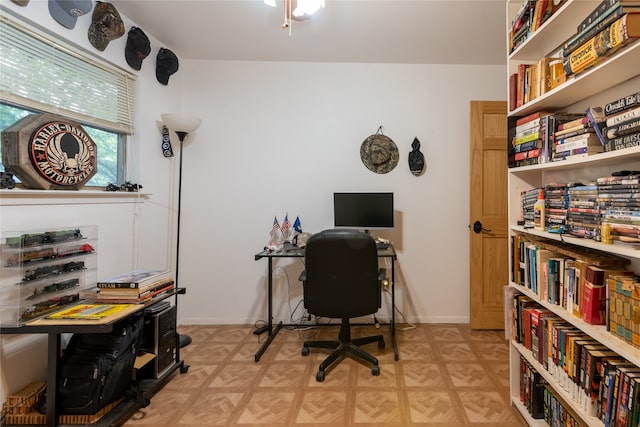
(342, 280)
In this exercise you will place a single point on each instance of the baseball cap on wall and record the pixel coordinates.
(106, 25)
(21, 3)
(166, 65)
(137, 49)
(66, 12)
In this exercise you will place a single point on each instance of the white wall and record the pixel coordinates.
(275, 138)
(132, 233)
(282, 137)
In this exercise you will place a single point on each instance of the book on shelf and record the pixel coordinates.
(621, 104)
(522, 120)
(88, 312)
(607, 41)
(539, 12)
(624, 141)
(625, 128)
(595, 115)
(135, 279)
(574, 130)
(582, 120)
(623, 116)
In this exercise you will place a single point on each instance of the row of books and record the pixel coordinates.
(544, 136)
(609, 27)
(599, 381)
(541, 400)
(531, 15)
(576, 284)
(136, 287)
(607, 210)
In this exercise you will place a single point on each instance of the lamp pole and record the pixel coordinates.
(181, 125)
(184, 340)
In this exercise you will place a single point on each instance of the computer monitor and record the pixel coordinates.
(363, 211)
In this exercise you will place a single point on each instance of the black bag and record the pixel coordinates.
(97, 369)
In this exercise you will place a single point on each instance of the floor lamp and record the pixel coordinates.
(182, 126)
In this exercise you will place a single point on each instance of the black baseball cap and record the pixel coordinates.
(166, 65)
(137, 49)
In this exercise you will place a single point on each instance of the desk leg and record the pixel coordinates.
(53, 350)
(265, 344)
(393, 310)
(272, 332)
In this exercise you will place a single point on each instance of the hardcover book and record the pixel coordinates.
(604, 43)
(135, 279)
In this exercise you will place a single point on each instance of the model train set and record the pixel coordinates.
(54, 287)
(34, 239)
(52, 270)
(45, 270)
(48, 306)
(48, 253)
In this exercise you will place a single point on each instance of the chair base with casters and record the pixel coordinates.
(345, 347)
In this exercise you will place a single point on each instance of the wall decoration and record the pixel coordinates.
(379, 153)
(47, 152)
(417, 164)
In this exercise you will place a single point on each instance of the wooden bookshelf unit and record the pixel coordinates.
(611, 78)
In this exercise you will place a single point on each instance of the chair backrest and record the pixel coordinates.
(341, 269)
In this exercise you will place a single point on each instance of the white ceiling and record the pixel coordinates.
(371, 31)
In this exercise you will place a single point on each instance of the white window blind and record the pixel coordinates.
(40, 73)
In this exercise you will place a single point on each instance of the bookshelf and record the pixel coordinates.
(606, 81)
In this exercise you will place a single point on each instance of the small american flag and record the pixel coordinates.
(286, 225)
(275, 227)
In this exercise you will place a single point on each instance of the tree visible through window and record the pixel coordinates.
(109, 146)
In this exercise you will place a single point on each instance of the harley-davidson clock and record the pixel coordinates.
(49, 152)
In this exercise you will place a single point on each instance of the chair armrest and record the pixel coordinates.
(303, 276)
(382, 273)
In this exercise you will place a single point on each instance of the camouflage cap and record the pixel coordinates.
(379, 153)
(106, 25)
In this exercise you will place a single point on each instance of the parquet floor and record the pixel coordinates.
(447, 375)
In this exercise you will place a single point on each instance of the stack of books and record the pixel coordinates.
(136, 287)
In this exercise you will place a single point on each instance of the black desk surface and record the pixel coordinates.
(296, 252)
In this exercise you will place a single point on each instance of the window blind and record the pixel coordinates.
(40, 73)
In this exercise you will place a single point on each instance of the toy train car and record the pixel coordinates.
(30, 256)
(48, 306)
(48, 253)
(66, 284)
(51, 270)
(34, 239)
(74, 250)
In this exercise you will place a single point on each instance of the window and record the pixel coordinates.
(40, 74)
(110, 147)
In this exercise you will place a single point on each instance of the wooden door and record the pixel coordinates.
(488, 250)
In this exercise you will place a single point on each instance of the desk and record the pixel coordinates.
(299, 253)
(54, 328)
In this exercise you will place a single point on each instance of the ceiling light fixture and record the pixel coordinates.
(297, 10)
